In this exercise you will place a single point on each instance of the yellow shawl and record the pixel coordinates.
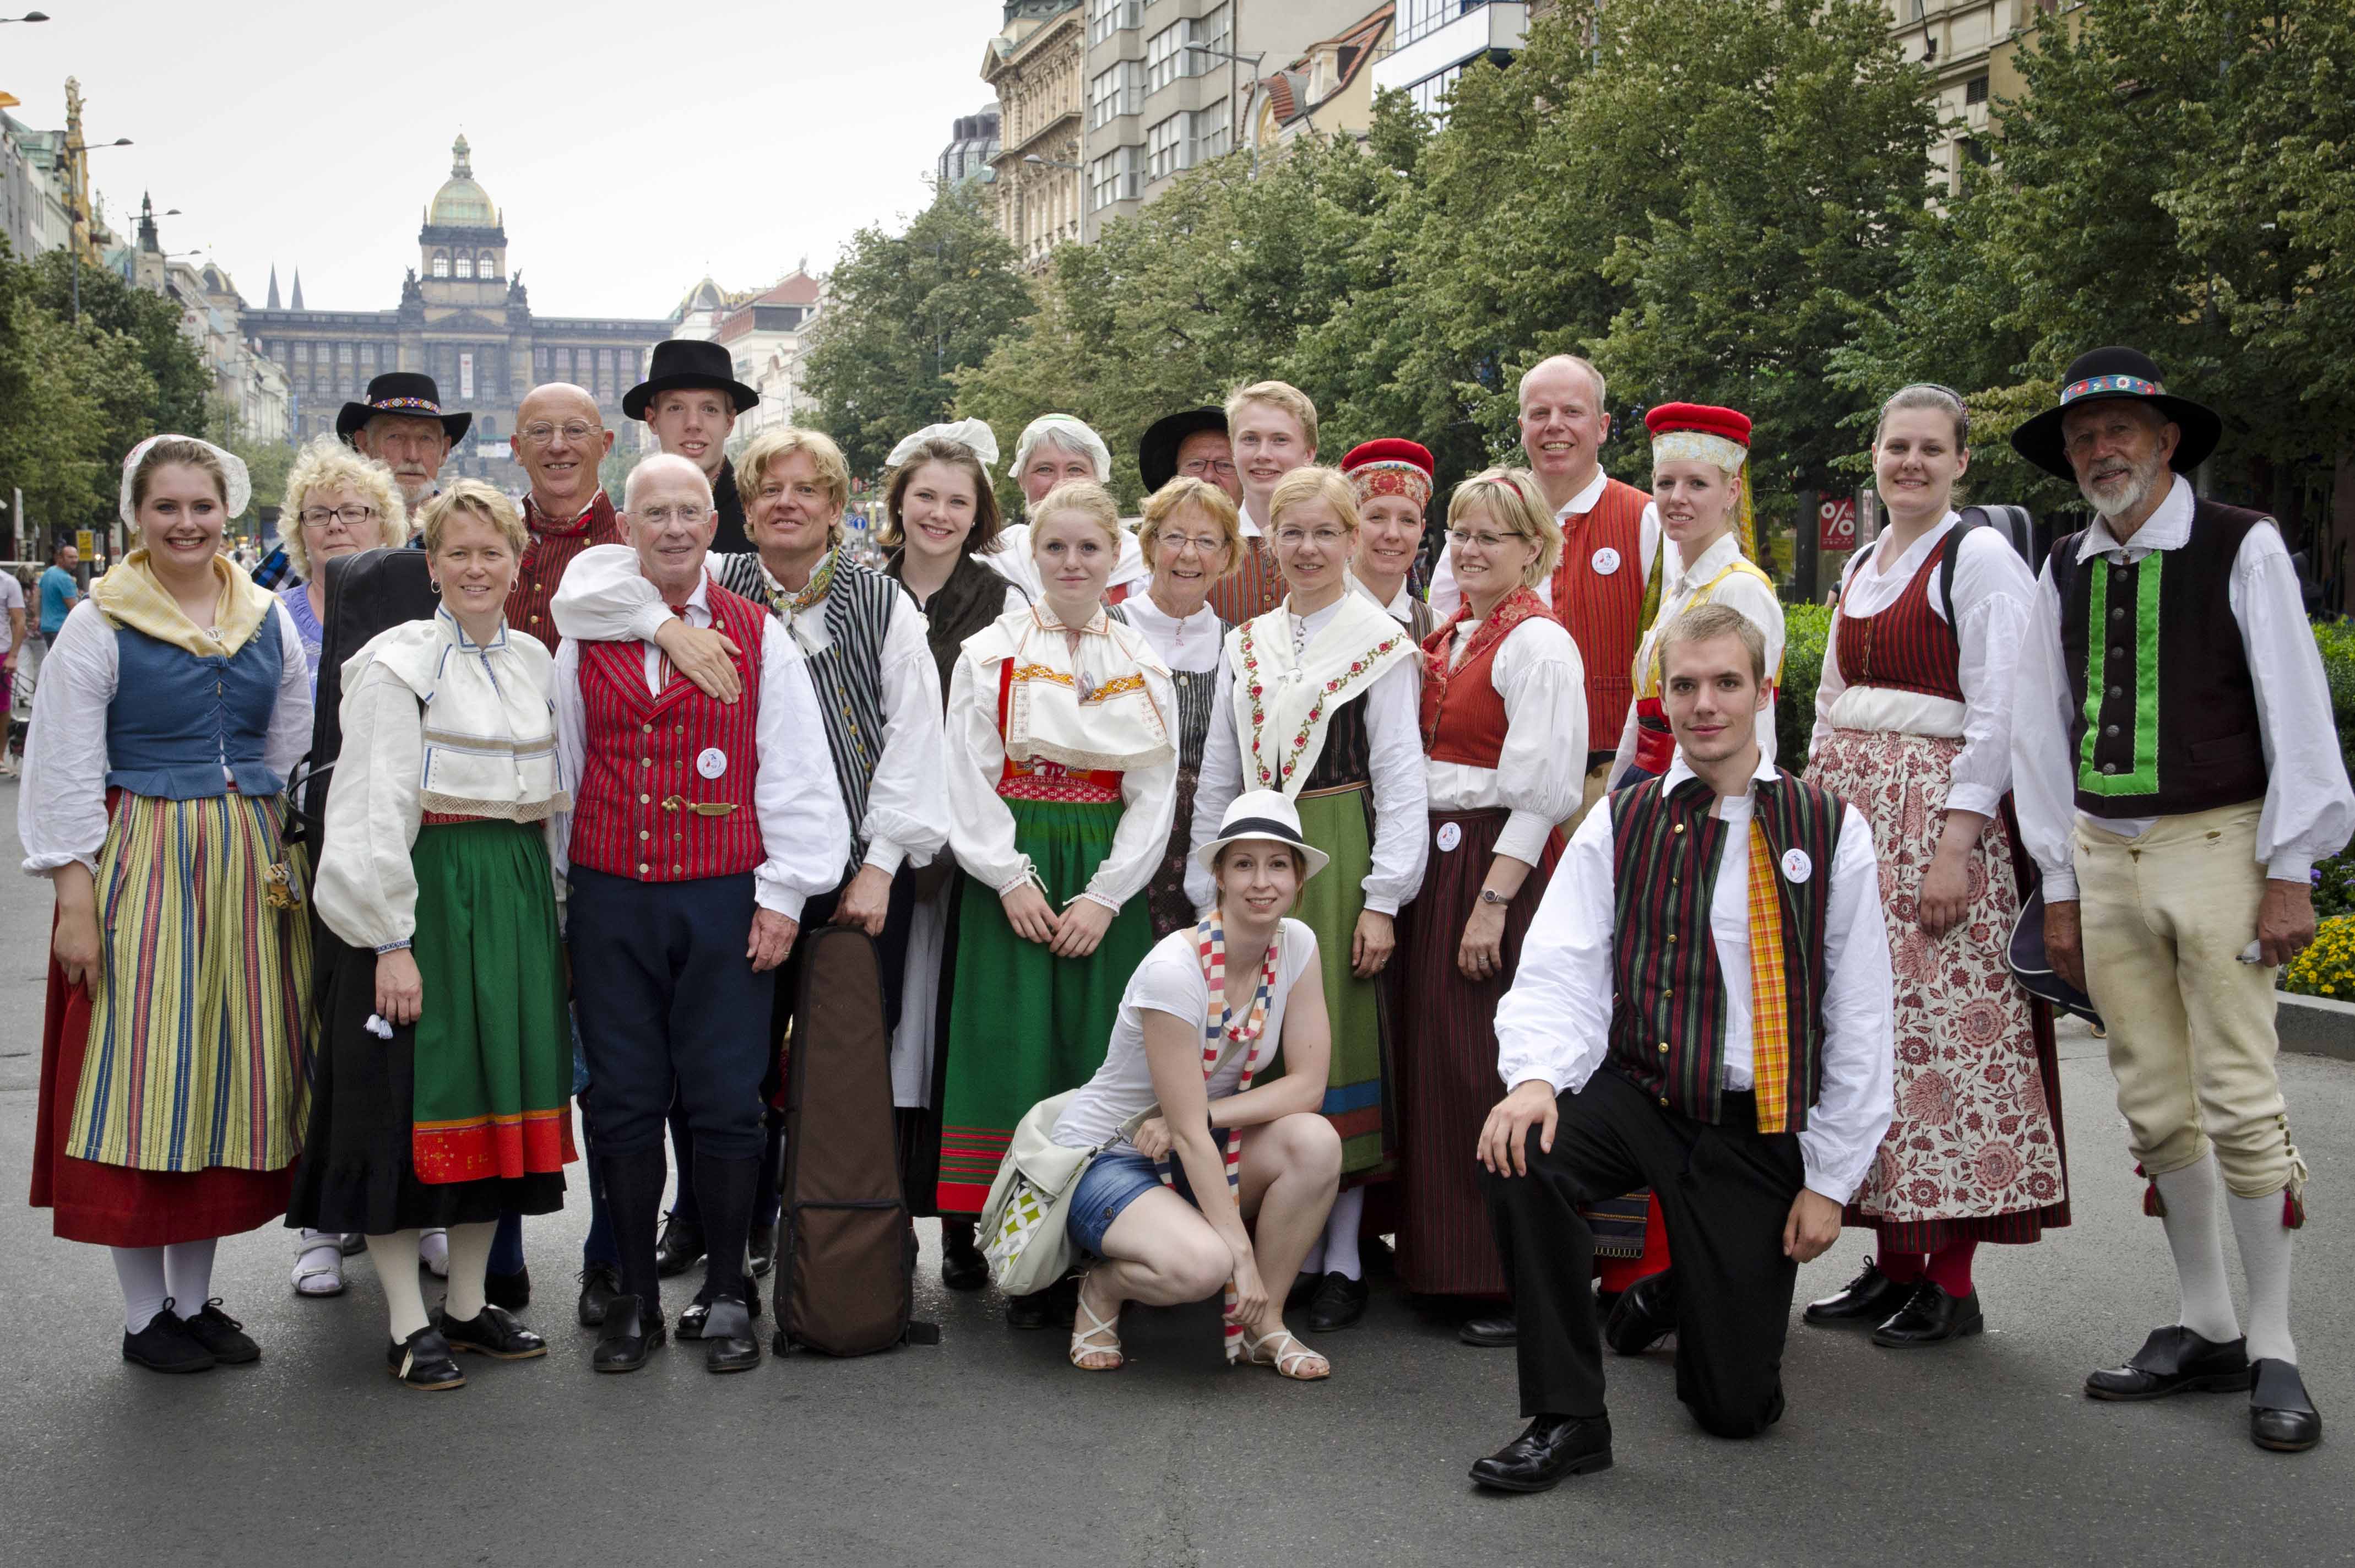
(130, 595)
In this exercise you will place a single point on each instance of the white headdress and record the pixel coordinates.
(1072, 434)
(239, 487)
(973, 435)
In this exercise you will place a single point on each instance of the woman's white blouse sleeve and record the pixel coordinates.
(288, 741)
(366, 890)
(981, 829)
(1996, 597)
(61, 805)
(1401, 791)
(1537, 673)
(1148, 806)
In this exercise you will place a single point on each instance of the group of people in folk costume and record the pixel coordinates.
(1270, 861)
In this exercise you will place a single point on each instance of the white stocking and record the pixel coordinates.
(394, 1257)
(141, 1272)
(2266, 1245)
(1314, 1263)
(2195, 1235)
(1341, 1234)
(188, 1273)
(470, 1260)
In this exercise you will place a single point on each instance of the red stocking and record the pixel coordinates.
(1950, 1268)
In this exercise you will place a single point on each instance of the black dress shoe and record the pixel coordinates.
(760, 1251)
(1495, 1332)
(423, 1361)
(2281, 1416)
(962, 1267)
(512, 1291)
(726, 1330)
(2175, 1360)
(680, 1248)
(698, 1312)
(600, 1283)
(1028, 1311)
(493, 1332)
(633, 1332)
(1553, 1449)
(1870, 1298)
(1644, 1313)
(1930, 1316)
(1303, 1289)
(222, 1335)
(1338, 1304)
(167, 1346)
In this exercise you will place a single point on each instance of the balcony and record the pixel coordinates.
(1500, 26)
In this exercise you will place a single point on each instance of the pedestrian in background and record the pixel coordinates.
(12, 596)
(58, 592)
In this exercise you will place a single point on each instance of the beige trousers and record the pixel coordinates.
(1594, 790)
(2166, 919)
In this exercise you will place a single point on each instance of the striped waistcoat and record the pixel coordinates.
(1605, 610)
(551, 549)
(1668, 1014)
(1252, 588)
(634, 813)
(1906, 646)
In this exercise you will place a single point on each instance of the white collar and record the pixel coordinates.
(1141, 608)
(1401, 604)
(1247, 523)
(1679, 771)
(1713, 560)
(2170, 528)
(1906, 564)
(456, 631)
(1583, 502)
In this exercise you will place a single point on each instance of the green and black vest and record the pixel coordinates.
(1668, 1003)
(2166, 714)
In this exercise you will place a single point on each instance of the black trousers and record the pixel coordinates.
(1725, 1192)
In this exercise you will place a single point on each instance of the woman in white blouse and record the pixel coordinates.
(445, 1073)
(1062, 778)
(1914, 730)
(1504, 701)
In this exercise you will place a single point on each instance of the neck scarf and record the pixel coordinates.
(1085, 707)
(133, 595)
(490, 737)
(1439, 670)
(1283, 698)
(791, 601)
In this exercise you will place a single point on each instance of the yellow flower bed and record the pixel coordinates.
(2328, 967)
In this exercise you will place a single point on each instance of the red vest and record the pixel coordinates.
(1604, 611)
(1252, 588)
(553, 544)
(1906, 646)
(634, 815)
(1464, 718)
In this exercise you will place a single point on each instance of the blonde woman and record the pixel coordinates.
(338, 503)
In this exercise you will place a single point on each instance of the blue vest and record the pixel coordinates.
(178, 719)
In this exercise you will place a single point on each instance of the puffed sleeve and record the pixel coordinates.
(1148, 806)
(1401, 788)
(61, 805)
(1537, 673)
(804, 833)
(602, 597)
(1994, 605)
(288, 740)
(981, 829)
(366, 890)
(907, 815)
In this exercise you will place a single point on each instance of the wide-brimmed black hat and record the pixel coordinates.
(407, 393)
(2105, 373)
(1157, 454)
(688, 362)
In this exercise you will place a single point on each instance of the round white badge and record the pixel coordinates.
(1451, 834)
(1604, 561)
(1796, 866)
(711, 762)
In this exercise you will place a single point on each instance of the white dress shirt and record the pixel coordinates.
(1011, 559)
(1445, 598)
(804, 836)
(61, 805)
(1537, 672)
(1754, 599)
(1554, 1025)
(2309, 810)
(1996, 597)
(1395, 743)
(605, 598)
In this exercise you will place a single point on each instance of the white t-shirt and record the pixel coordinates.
(12, 594)
(1170, 981)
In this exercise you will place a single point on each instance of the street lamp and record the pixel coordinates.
(27, 16)
(1234, 59)
(80, 217)
(1051, 163)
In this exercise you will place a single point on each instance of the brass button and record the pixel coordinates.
(646, 762)
(646, 729)
(1664, 1048)
(1672, 937)
(534, 619)
(1679, 827)
(643, 834)
(674, 871)
(645, 799)
(1664, 1099)
(642, 867)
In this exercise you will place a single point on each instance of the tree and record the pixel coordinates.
(183, 381)
(904, 313)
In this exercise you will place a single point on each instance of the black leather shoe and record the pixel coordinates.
(1870, 1298)
(760, 1251)
(1338, 1304)
(1498, 1331)
(633, 1332)
(729, 1342)
(423, 1361)
(1303, 1291)
(2281, 1416)
(1553, 1449)
(1028, 1311)
(493, 1332)
(1644, 1313)
(698, 1312)
(167, 1346)
(221, 1335)
(1930, 1316)
(680, 1248)
(962, 1267)
(600, 1283)
(512, 1291)
(2175, 1360)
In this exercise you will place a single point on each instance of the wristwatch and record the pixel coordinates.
(1491, 896)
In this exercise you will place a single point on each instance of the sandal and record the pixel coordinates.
(319, 1267)
(1083, 1340)
(1285, 1362)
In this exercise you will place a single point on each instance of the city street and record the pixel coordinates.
(988, 1448)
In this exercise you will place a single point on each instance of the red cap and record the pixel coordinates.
(1729, 423)
(1389, 449)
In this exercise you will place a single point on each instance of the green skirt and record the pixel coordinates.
(1357, 1096)
(1026, 1024)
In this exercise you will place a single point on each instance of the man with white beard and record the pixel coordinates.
(2177, 775)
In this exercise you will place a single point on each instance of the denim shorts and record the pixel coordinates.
(1116, 1179)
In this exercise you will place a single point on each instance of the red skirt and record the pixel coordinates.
(1447, 1060)
(115, 1205)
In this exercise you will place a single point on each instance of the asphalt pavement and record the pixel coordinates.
(988, 1448)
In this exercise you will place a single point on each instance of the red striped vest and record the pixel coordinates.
(1604, 611)
(634, 815)
(1252, 588)
(1906, 646)
(1463, 717)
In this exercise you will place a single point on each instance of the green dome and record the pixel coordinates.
(461, 203)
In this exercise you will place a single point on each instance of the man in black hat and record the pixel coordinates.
(1193, 444)
(2177, 775)
(691, 397)
(401, 425)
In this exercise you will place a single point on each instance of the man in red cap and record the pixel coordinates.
(1392, 481)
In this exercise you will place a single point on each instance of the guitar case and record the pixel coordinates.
(845, 1275)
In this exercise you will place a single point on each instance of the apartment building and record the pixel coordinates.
(1035, 66)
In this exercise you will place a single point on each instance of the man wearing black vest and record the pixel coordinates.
(1703, 1008)
(2176, 774)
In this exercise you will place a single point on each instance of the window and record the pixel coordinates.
(1420, 18)
(1212, 29)
(1430, 94)
(1213, 131)
(1115, 176)
(1166, 144)
(1975, 90)
(441, 265)
(1971, 155)
(1106, 17)
(466, 266)
(1114, 93)
(1166, 58)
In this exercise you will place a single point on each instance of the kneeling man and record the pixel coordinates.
(1702, 1009)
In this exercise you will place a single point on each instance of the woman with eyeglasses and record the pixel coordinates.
(1322, 708)
(337, 503)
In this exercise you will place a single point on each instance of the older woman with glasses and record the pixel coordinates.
(338, 503)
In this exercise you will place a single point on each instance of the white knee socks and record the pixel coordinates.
(188, 1275)
(141, 1272)
(470, 1261)
(2195, 1235)
(394, 1257)
(2266, 1245)
(1341, 1234)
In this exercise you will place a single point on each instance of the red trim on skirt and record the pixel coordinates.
(535, 1143)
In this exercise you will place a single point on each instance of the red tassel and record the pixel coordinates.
(2153, 1204)
(2293, 1210)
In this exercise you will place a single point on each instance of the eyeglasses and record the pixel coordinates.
(1176, 544)
(1482, 540)
(662, 517)
(574, 430)
(1202, 466)
(1322, 535)
(355, 517)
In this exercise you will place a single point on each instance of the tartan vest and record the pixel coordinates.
(639, 778)
(1668, 1012)
(1604, 611)
(2164, 712)
(1906, 646)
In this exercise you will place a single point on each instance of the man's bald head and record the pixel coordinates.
(664, 470)
(557, 401)
(559, 440)
(667, 510)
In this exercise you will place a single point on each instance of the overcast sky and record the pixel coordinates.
(631, 148)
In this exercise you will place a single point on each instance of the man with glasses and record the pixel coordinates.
(1190, 445)
(560, 440)
(401, 425)
(698, 829)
